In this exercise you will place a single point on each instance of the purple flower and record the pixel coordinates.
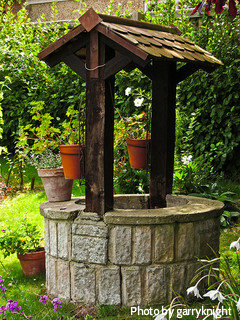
(3, 311)
(2, 288)
(12, 306)
(56, 304)
(43, 299)
(1, 279)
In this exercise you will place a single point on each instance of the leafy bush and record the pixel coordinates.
(23, 238)
(210, 102)
(30, 79)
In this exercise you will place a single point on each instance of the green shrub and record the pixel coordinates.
(210, 101)
(30, 79)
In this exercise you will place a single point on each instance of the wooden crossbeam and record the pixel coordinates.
(76, 64)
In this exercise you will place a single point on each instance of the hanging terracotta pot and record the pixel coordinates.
(56, 186)
(138, 153)
(72, 160)
(32, 263)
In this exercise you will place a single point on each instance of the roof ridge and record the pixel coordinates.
(140, 24)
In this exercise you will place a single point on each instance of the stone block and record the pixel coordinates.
(51, 275)
(89, 249)
(156, 284)
(63, 239)
(120, 245)
(109, 286)
(83, 283)
(185, 248)
(178, 276)
(131, 286)
(97, 230)
(181, 276)
(142, 246)
(164, 243)
(46, 236)
(63, 279)
(207, 233)
(53, 238)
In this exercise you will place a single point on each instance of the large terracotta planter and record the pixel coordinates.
(138, 153)
(72, 160)
(56, 186)
(32, 263)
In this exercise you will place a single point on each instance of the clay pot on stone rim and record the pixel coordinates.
(72, 156)
(138, 152)
(56, 186)
(33, 263)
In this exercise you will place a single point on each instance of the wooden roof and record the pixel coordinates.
(144, 40)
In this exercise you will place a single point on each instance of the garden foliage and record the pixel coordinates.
(30, 79)
(207, 104)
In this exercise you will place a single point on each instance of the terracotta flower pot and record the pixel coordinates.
(33, 263)
(56, 186)
(72, 160)
(138, 153)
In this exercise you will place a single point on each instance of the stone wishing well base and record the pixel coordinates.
(134, 256)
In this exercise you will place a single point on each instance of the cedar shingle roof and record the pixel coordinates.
(144, 40)
(162, 44)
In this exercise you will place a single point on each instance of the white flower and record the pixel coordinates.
(128, 91)
(161, 316)
(186, 160)
(235, 244)
(215, 294)
(238, 304)
(138, 102)
(195, 291)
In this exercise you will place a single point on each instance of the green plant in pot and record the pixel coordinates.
(136, 129)
(72, 148)
(24, 239)
(39, 145)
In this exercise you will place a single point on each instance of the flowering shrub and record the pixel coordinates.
(46, 160)
(227, 281)
(24, 238)
(224, 293)
(188, 175)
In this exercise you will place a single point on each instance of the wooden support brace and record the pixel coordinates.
(185, 71)
(70, 48)
(147, 70)
(115, 65)
(76, 64)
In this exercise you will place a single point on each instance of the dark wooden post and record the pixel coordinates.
(163, 131)
(99, 129)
